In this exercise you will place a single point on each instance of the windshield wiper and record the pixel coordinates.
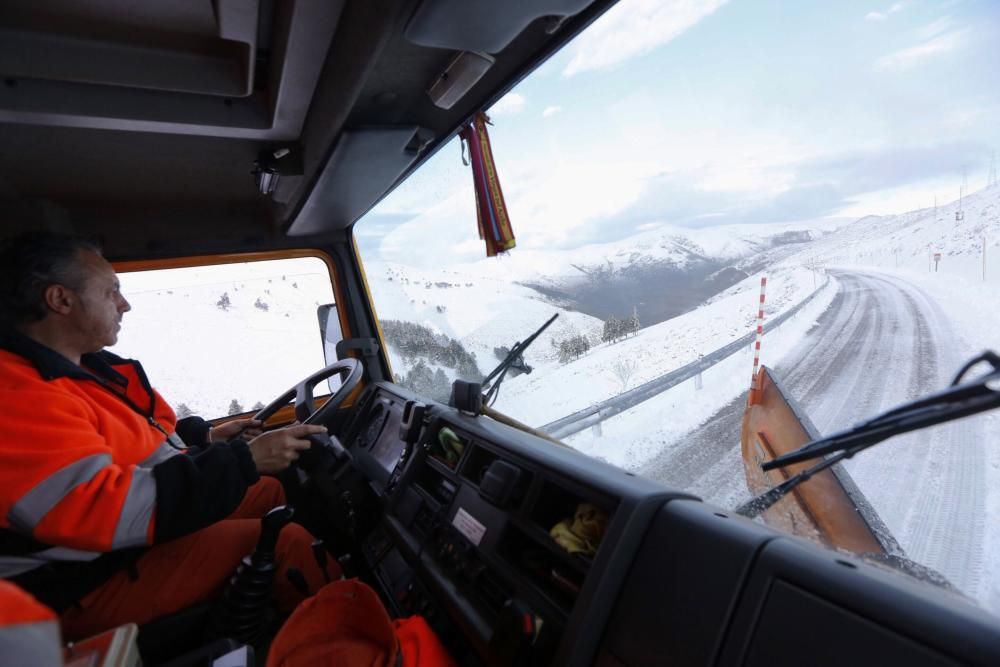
(515, 356)
(959, 400)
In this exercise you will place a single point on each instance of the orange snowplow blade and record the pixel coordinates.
(829, 507)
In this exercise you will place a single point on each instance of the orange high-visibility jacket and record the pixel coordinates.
(29, 632)
(89, 464)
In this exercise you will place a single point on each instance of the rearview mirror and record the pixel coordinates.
(330, 332)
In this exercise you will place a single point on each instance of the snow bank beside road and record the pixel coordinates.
(656, 350)
(631, 439)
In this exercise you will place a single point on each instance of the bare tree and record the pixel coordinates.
(623, 369)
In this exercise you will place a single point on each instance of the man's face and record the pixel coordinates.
(100, 306)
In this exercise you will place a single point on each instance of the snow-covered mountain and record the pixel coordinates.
(662, 272)
(666, 244)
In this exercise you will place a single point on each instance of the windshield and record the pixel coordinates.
(674, 168)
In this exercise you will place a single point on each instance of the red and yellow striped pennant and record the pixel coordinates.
(491, 210)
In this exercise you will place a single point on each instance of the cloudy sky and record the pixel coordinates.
(706, 112)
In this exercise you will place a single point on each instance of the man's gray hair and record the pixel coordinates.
(29, 264)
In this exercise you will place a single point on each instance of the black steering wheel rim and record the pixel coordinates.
(302, 393)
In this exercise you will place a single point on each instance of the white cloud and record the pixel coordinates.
(633, 28)
(551, 111)
(881, 16)
(905, 58)
(935, 28)
(509, 103)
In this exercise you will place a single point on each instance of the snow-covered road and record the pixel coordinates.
(883, 341)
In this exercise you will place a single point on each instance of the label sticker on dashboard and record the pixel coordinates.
(468, 526)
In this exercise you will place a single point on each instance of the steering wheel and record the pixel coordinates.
(302, 392)
(306, 412)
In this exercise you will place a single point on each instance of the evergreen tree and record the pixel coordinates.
(420, 378)
(414, 341)
(442, 387)
(235, 408)
(573, 348)
(632, 324)
(183, 411)
(606, 334)
(612, 330)
(565, 351)
(223, 302)
(257, 406)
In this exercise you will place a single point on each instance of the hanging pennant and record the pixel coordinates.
(491, 211)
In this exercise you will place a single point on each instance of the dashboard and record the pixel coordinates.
(466, 533)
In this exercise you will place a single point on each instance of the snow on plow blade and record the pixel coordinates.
(829, 506)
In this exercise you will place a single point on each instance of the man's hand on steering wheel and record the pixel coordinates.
(312, 418)
(237, 428)
(275, 450)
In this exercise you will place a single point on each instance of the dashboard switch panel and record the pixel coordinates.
(499, 482)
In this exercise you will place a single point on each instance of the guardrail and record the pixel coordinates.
(582, 419)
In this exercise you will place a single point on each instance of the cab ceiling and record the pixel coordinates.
(140, 122)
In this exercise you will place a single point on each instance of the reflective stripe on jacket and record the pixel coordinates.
(89, 460)
(75, 456)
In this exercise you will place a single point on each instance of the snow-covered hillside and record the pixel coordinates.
(486, 304)
(480, 312)
(656, 350)
(909, 241)
(204, 354)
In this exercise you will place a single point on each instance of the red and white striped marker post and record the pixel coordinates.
(760, 334)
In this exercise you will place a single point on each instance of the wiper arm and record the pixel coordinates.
(516, 352)
(960, 400)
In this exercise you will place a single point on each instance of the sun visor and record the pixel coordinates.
(201, 48)
(363, 166)
(484, 26)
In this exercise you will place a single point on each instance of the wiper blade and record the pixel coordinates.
(960, 400)
(516, 353)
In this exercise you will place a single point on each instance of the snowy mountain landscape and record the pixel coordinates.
(501, 301)
(504, 300)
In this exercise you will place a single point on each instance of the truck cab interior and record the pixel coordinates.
(208, 132)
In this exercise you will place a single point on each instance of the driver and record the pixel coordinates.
(105, 516)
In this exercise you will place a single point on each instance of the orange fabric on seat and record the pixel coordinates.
(420, 646)
(19, 606)
(29, 634)
(344, 625)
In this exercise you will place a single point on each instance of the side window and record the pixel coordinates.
(226, 338)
